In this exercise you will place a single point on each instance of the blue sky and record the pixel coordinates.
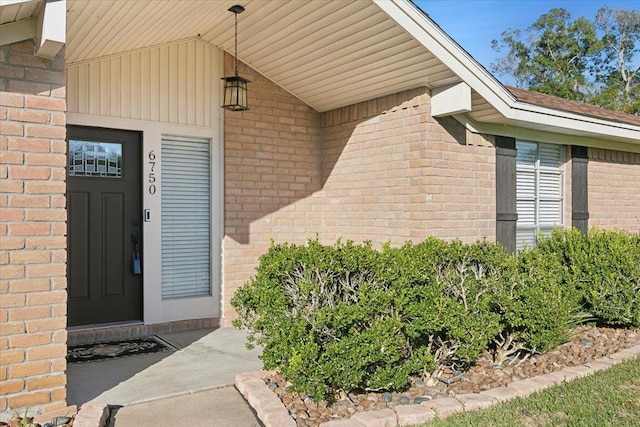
(474, 23)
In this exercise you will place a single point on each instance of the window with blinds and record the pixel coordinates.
(186, 229)
(539, 190)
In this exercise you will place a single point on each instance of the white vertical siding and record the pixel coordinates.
(174, 83)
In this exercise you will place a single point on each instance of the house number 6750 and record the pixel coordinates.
(152, 175)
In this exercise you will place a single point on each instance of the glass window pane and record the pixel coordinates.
(95, 159)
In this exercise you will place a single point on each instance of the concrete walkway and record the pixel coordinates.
(160, 389)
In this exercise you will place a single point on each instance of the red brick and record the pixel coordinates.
(46, 270)
(12, 328)
(29, 399)
(24, 201)
(29, 172)
(11, 99)
(26, 313)
(11, 271)
(12, 243)
(57, 242)
(46, 215)
(48, 382)
(46, 103)
(11, 157)
(12, 301)
(30, 340)
(54, 77)
(29, 369)
(45, 298)
(24, 46)
(58, 119)
(9, 357)
(52, 132)
(52, 324)
(30, 285)
(30, 257)
(11, 387)
(12, 187)
(40, 187)
(59, 92)
(29, 229)
(47, 352)
(22, 86)
(29, 144)
(30, 116)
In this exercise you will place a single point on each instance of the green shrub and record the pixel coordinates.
(344, 317)
(325, 319)
(536, 306)
(604, 268)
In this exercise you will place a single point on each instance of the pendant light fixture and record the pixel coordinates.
(235, 87)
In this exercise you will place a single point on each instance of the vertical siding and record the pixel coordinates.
(171, 83)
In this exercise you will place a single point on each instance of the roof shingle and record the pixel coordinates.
(556, 103)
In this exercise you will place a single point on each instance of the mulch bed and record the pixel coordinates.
(589, 343)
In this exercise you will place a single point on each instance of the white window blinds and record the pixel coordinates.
(539, 190)
(186, 230)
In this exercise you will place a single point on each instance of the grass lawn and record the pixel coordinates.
(608, 398)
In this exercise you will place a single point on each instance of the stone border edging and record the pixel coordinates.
(92, 415)
(273, 413)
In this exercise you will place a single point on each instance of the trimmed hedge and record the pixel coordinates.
(604, 269)
(337, 318)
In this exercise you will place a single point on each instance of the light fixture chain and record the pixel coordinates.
(236, 42)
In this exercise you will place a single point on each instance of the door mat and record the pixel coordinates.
(113, 349)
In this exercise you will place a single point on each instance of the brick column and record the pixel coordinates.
(33, 296)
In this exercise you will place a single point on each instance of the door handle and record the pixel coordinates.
(134, 237)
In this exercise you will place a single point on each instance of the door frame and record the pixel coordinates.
(154, 309)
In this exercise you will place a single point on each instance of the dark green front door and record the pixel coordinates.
(104, 228)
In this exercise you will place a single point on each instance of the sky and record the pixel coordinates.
(474, 23)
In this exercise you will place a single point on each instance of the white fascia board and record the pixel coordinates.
(18, 31)
(538, 135)
(425, 31)
(471, 72)
(52, 28)
(599, 128)
(452, 99)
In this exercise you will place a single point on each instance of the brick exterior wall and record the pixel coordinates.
(32, 230)
(382, 170)
(614, 190)
(394, 173)
(272, 166)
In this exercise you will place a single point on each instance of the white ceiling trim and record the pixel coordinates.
(18, 31)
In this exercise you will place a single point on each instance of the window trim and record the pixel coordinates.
(538, 227)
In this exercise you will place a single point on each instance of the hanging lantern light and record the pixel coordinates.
(235, 87)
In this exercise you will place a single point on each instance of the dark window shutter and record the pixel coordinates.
(506, 211)
(579, 188)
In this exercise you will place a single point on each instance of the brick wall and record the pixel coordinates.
(614, 190)
(32, 230)
(381, 170)
(394, 173)
(272, 166)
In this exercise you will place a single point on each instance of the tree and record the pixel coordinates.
(590, 61)
(614, 68)
(553, 58)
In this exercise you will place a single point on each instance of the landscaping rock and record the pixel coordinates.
(587, 345)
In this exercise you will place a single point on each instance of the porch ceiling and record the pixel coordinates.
(14, 11)
(328, 53)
